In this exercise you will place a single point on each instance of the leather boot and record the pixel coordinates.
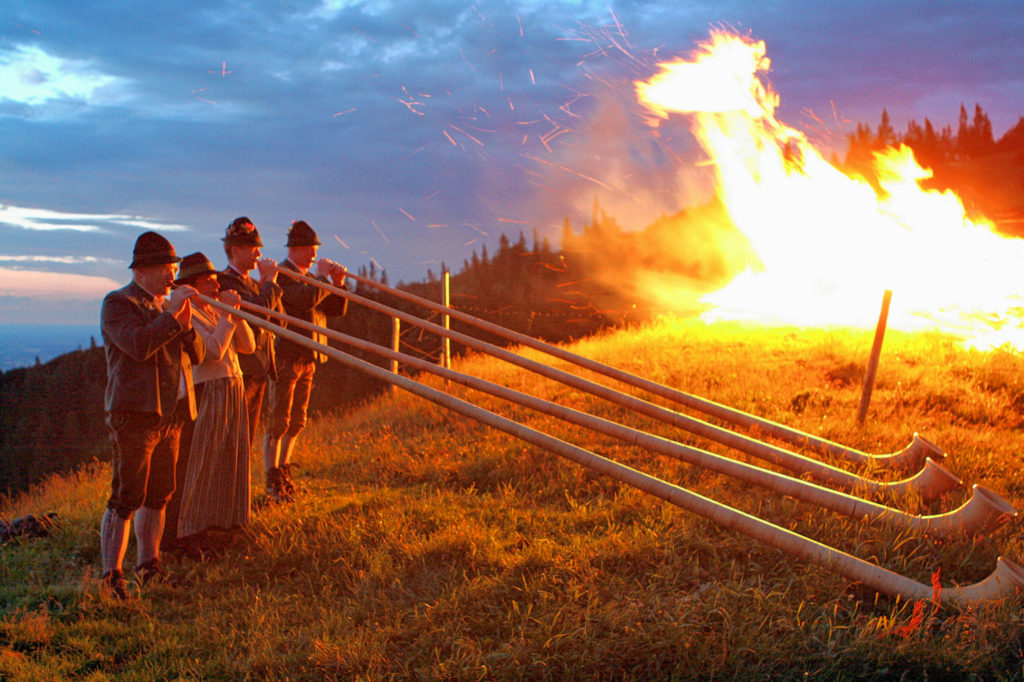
(275, 488)
(113, 584)
(273, 483)
(287, 485)
(287, 445)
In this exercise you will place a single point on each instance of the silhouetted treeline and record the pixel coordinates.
(932, 146)
(987, 173)
(51, 417)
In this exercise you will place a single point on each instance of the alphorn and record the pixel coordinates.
(929, 483)
(984, 511)
(912, 457)
(1005, 581)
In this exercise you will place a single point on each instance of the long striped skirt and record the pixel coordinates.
(216, 492)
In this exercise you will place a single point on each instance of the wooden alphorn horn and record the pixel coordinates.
(929, 483)
(910, 458)
(983, 512)
(1005, 581)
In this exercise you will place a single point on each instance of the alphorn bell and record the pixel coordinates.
(929, 483)
(984, 511)
(909, 458)
(1006, 580)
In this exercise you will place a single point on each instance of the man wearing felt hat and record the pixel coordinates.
(150, 348)
(296, 364)
(242, 245)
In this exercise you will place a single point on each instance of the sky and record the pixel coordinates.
(410, 134)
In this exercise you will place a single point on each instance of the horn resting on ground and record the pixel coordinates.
(1006, 580)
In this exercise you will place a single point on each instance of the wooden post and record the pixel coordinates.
(876, 350)
(396, 333)
(446, 343)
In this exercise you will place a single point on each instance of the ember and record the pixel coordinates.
(828, 244)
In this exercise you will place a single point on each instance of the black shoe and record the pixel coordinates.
(113, 584)
(191, 548)
(220, 539)
(150, 572)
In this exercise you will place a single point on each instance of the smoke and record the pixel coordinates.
(635, 170)
(646, 224)
(666, 267)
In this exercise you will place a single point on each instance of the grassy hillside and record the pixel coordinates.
(427, 545)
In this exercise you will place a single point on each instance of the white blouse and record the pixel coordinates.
(225, 336)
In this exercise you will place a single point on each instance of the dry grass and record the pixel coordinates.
(430, 546)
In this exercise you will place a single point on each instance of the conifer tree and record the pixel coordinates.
(886, 135)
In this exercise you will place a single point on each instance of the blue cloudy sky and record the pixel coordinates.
(410, 133)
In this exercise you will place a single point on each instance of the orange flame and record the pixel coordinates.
(827, 244)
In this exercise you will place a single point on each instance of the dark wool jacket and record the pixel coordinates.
(147, 351)
(310, 304)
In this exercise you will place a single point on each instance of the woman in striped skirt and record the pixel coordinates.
(215, 495)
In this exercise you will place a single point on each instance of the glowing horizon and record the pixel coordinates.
(45, 284)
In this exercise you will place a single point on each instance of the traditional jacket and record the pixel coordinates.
(310, 304)
(260, 363)
(148, 354)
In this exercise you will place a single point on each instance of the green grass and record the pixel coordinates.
(429, 546)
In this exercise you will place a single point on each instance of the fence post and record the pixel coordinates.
(396, 333)
(446, 343)
(876, 350)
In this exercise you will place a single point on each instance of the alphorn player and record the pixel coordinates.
(150, 351)
(215, 486)
(296, 364)
(242, 245)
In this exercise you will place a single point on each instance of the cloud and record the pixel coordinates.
(30, 75)
(48, 220)
(53, 285)
(64, 260)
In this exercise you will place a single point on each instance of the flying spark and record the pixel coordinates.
(474, 227)
(587, 177)
(201, 99)
(223, 70)
(381, 233)
(466, 134)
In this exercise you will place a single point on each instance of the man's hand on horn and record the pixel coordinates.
(268, 269)
(180, 305)
(324, 266)
(229, 297)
